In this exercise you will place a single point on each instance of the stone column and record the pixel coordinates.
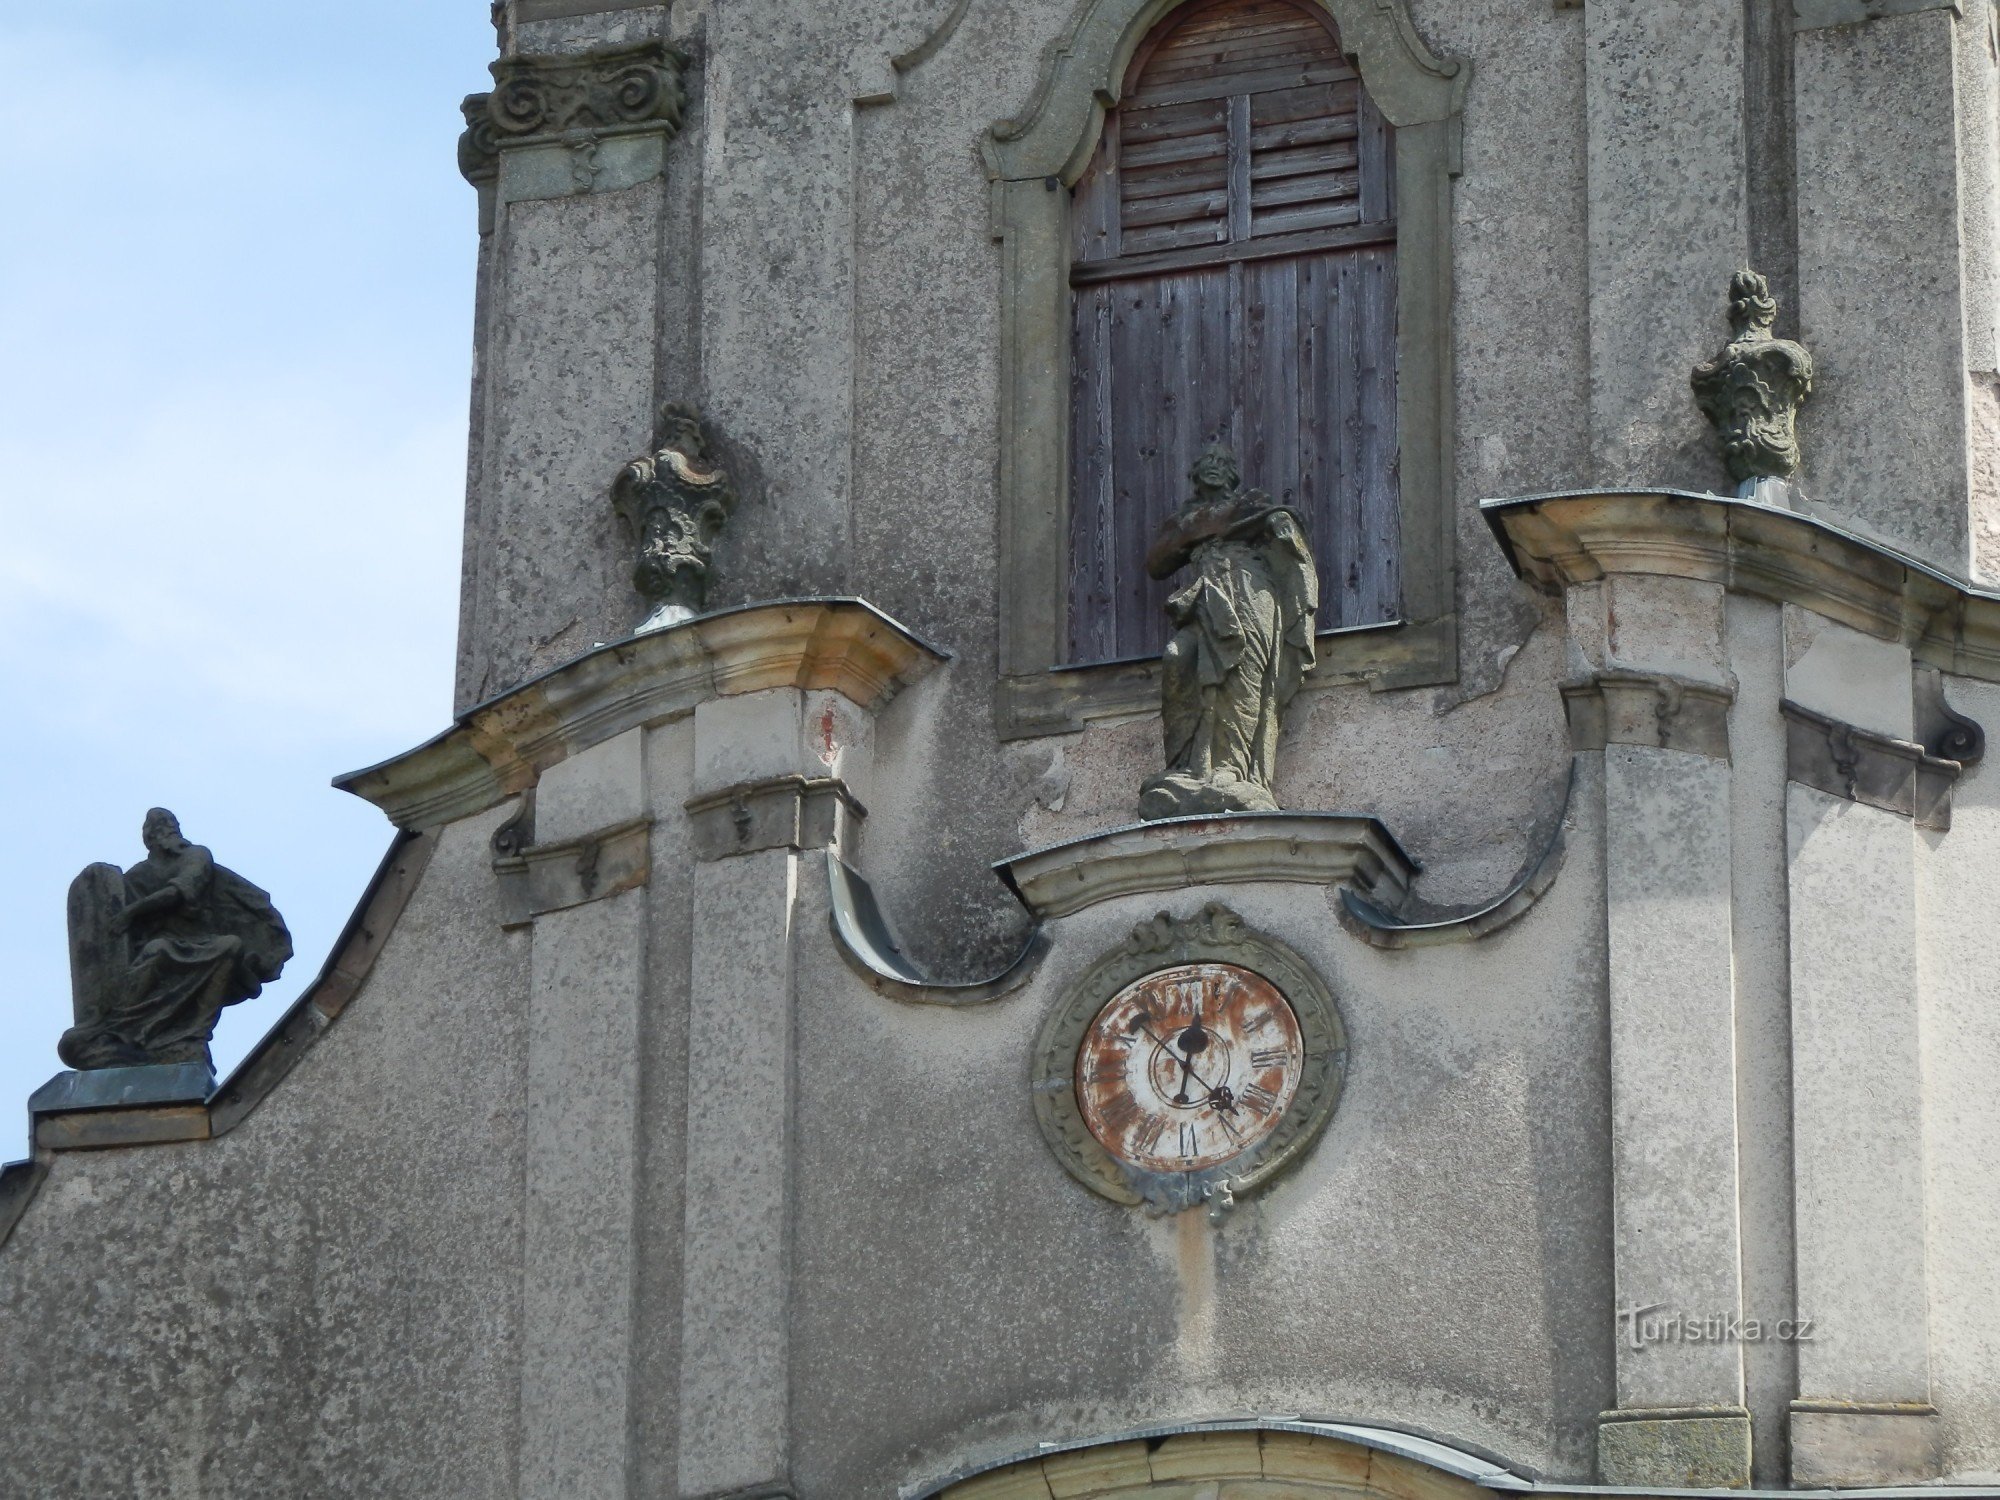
(1664, 108)
(570, 151)
(1863, 1411)
(1881, 277)
(769, 782)
(1654, 701)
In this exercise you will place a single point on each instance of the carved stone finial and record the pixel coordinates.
(674, 502)
(1753, 389)
(158, 950)
(1242, 642)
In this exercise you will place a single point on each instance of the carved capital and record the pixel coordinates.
(1648, 709)
(540, 878)
(782, 812)
(572, 100)
(1753, 389)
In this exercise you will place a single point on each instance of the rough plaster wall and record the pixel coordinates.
(1960, 949)
(323, 1301)
(1441, 1258)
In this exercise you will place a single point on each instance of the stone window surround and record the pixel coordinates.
(1032, 161)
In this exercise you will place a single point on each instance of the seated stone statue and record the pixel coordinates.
(1243, 639)
(158, 950)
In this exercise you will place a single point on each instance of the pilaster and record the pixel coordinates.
(569, 152)
(1653, 701)
(1863, 1414)
(587, 975)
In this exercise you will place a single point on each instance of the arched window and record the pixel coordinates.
(1223, 219)
(1233, 279)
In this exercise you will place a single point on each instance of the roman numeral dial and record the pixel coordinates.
(1188, 1067)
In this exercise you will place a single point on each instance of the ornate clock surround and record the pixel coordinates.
(1216, 935)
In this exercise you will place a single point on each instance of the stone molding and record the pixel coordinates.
(1558, 541)
(866, 941)
(780, 812)
(1860, 765)
(553, 877)
(1179, 853)
(311, 1015)
(500, 748)
(1030, 160)
(1213, 935)
(1650, 709)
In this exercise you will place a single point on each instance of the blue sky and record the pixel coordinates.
(236, 301)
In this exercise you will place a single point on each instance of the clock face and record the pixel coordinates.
(1188, 1067)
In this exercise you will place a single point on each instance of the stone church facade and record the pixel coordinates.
(775, 1059)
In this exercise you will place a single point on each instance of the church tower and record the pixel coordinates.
(1204, 750)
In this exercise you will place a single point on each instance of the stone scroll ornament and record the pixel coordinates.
(1242, 642)
(157, 952)
(1752, 392)
(572, 100)
(673, 502)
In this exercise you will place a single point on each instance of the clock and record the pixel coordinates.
(1190, 1065)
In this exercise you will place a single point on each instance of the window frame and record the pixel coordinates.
(1033, 162)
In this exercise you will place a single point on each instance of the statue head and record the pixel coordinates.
(1215, 473)
(162, 832)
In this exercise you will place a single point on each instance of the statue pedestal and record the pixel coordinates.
(123, 1088)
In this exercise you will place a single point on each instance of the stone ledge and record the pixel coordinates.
(1859, 765)
(1177, 853)
(1557, 541)
(501, 747)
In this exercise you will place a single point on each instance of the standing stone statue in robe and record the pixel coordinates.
(1242, 642)
(158, 950)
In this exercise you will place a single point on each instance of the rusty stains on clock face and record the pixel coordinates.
(1189, 1067)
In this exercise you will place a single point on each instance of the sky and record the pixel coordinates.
(236, 283)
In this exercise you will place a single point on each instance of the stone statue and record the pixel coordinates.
(1243, 640)
(158, 950)
(1752, 392)
(674, 502)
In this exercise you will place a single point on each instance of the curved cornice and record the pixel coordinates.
(502, 746)
(1174, 854)
(1086, 69)
(1558, 541)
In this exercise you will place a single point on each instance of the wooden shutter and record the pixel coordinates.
(1234, 279)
